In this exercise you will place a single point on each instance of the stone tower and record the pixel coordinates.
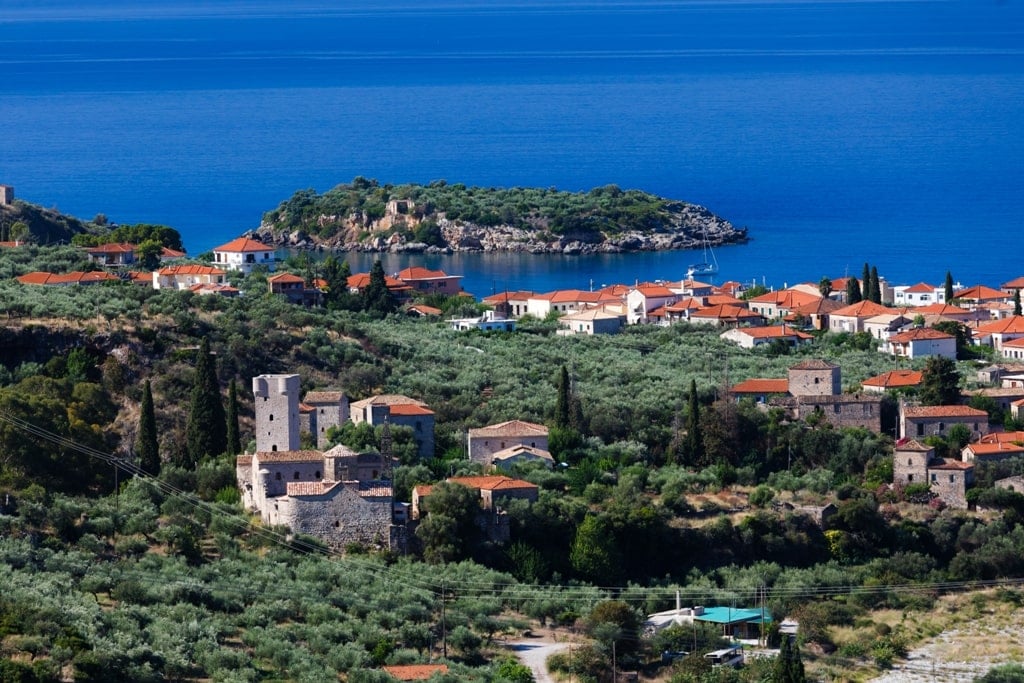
(330, 409)
(910, 462)
(814, 378)
(277, 412)
(6, 195)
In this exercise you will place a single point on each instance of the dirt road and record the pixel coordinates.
(534, 654)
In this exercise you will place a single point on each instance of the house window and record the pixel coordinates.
(274, 447)
(942, 427)
(910, 462)
(836, 409)
(952, 478)
(277, 476)
(296, 477)
(920, 429)
(270, 419)
(975, 426)
(934, 477)
(337, 524)
(317, 474)
(910, 478)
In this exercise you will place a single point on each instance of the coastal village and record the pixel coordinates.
(901, 323)
(345, 497)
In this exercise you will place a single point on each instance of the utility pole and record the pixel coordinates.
(615, 677)
(444, 632)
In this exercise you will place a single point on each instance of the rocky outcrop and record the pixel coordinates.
(690, 227)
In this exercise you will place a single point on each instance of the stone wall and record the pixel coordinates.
(483, 448)
(910, 465)
(950, 486)
(340, 517)
(814, 378)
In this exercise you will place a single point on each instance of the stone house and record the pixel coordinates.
(815, 390)
(726, 315)
(921, 294)
(920, 421)
(327, 409)
(402, 411)
(780, 303)
(948, 479)
(72, 279)
(1015, 484)
(484, 442)
(760, 390)
(991, 452)
(244, 254)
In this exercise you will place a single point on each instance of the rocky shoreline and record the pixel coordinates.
(692, 227)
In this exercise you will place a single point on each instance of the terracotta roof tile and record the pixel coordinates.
(510, 428)
(191, 269)
(862, 309)
(761, 386)
(243, 244)
(289, 456)
(1012, 325)
(1016, 283)
(814, 364)
(949, 464)
(943, 411)
(493, 483)
(409, 409)
(894, 379)
(324, 397)
(310, 488)
(919, 334)
(979, 293)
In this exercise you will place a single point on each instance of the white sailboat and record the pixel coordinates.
(709, 266)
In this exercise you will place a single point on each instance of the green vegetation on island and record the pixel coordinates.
(437, 214)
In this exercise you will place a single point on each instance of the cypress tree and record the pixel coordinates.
(1016, 302)
(564, 400)
(234, 438)
(146, 445)
(206, 431)
(377, 298)
(852, 291)
(949, 286)
(876, 288)
(865, 283)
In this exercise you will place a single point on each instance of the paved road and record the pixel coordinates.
(534, 654)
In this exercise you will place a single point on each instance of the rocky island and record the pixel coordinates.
(365, 215)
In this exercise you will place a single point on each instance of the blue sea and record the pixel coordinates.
(838, 133)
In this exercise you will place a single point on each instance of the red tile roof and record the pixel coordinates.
(418, 273)
(814, 364)
(191, 269)
(505, 297)
(894, 379)
(761, 386)
(285, 277)
(943, 411)
(409, 409)
(310, 488)
(996, 437)
(949, 464)
(725, 312)
(493, 483)
(289, 456)
(919, 334)
(361, 280)
(1012, 325)
(37, 277)
(324, 397)
(999, 447)
(649, 290)
(1014, 343)
(243, 244)
(862, 309)
(773, 332)
(939, 309)
(979, 293)
(112, 248)
(921, 288)
(1016, 283)
(510, 428)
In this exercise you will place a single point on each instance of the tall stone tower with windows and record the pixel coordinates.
(277, 412)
